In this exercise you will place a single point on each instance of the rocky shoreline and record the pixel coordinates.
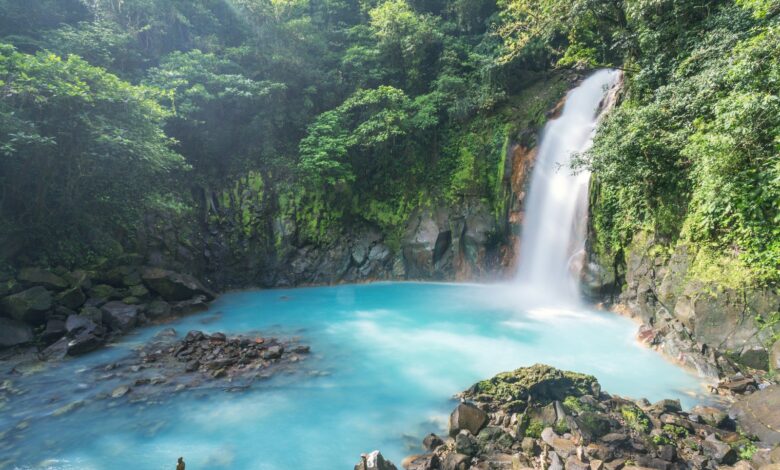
(58, 313)
(542, 418)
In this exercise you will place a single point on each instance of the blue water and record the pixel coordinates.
(386, 359)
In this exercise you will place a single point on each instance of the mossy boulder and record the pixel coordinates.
(72, 298)
(29, 306)
(40, 277)
(541, 384)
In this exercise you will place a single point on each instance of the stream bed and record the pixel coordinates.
(385, 360)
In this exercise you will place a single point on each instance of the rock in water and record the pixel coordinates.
(13, 333)
(174, 286)
(374, 461)
(467, 416)
(29, 306)
(120, 316)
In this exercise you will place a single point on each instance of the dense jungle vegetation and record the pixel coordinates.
(342, 110)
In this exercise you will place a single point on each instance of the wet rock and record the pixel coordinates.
(196, 304)
(40, 277)
(58, 350)
(83, 341)
(432, 441)
(374, 461)
(14, 333)
(467, 416)
(173, 286)
(28, 306)
(274, 352)
(120, 391)
(120, 316)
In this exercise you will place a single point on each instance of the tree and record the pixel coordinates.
(83, 153)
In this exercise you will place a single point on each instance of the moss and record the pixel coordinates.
(540, 382)
(534, 429)
(635, 419)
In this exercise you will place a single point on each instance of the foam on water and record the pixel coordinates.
(395, 354)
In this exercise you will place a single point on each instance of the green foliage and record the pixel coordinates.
(691, 155)
(636, 419)
(534, 429)
(82, 153)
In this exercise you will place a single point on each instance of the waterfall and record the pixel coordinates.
(554, 229)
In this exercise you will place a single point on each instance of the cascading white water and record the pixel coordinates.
(552, 233)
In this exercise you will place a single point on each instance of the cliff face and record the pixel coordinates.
(707, 323)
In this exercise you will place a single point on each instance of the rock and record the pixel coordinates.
(28, 306)
(195, 304)
(55, 329)
(158, 309)
(77, 323)
(432, 441)
(594, 425)
(711, 415)
(140, 292)
(173, 286)
(494, 437)
(455, 462)
(83, 342)
(30, 277)
(555, 462)
(573, 463)
(104, 292)
(469, 417)
(14, 333)
(544, 384)
(120, 316)
(92, 313)
(667, 405)
(596, 464)
(374, 461)
(120, 391)
(719, 451)
(72, 298)
(56, 351)
(754, 356)
(465, 443)
(274, 352)
(759, 414)
(774, 357)
(421, 462)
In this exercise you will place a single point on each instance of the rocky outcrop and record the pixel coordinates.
(541, 417)
(72, 313)
(712, 328)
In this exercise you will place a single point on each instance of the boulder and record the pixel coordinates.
(120, 316)
(104, 292)
(467, 416)
(465, 443)
(76, 323)
(55, 329)
(174, 286)
(774, 357)
(754, 356)
(28, 306)
(718, 451)
(374, 461)
(432, 441)
(93, 313)
(711, 415)
(455, 462)
(40, 277)
(72, 298)
(158, 309)
(14, 333)
(83, 341)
